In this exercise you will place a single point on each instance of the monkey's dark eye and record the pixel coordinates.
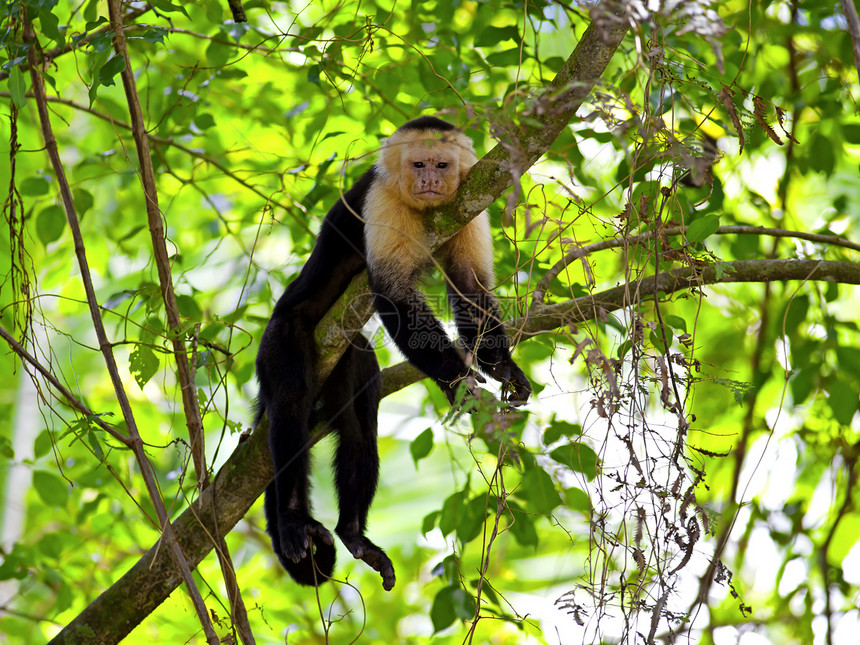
(442, 164)
(418, 164)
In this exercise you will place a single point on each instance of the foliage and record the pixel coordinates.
(688, 467)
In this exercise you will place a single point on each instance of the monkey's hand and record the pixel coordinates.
(363, 549)
(516, 388)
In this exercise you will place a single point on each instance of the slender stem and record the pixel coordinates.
(134, 440)
(191, 408)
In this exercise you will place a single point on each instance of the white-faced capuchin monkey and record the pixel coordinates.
(379, 224)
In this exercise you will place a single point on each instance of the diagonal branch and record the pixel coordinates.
(497, 171)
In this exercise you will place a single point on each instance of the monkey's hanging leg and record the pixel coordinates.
(352, 397)
(285, 368)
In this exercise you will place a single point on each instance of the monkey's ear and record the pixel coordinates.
(468, 158)
(389, 158)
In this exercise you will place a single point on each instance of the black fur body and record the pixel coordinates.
(349, 399)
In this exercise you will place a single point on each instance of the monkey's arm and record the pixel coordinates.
(418, 334)
(480, 326)
(467, 259)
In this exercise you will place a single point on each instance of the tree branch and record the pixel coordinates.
(546, 317)
(630, 240)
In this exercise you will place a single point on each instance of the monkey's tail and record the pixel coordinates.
(303, 570)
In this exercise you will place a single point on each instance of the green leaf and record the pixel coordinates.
(168, 7)
(52, 490)
(843, 401)
(114, 66)
(700, 229)
(452, 511)
(802, 383)
(143, 364)
(472, 519)
(429, 522)
(217, 54)
(154, 35)
(51, 26)
(821, 154)
(52, 544)
(97, 61)
(50, 224)
(451, 603)
(34, 186)
(675, 322)
(493, 36)
(17, 87)
(421, 446)
(93, 441)
(204, 121)
(83, 200)
(577, 500)
(523, 527)
(797, 310)
(539, 491)
(442, 612)
(188, 308)
(42, 444)
(558, 429)
(577, 456)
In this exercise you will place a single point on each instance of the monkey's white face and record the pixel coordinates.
(429, 175)
(425, 167)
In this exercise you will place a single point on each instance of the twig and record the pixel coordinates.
(134, 440)
(853, 29)
(70, 398)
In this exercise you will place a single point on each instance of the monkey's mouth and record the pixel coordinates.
(429, 194)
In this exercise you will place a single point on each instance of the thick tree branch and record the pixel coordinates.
(112, 616)
(546, 317)
(631, 240)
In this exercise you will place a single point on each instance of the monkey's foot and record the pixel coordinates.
(298, 536)
(363, 549)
